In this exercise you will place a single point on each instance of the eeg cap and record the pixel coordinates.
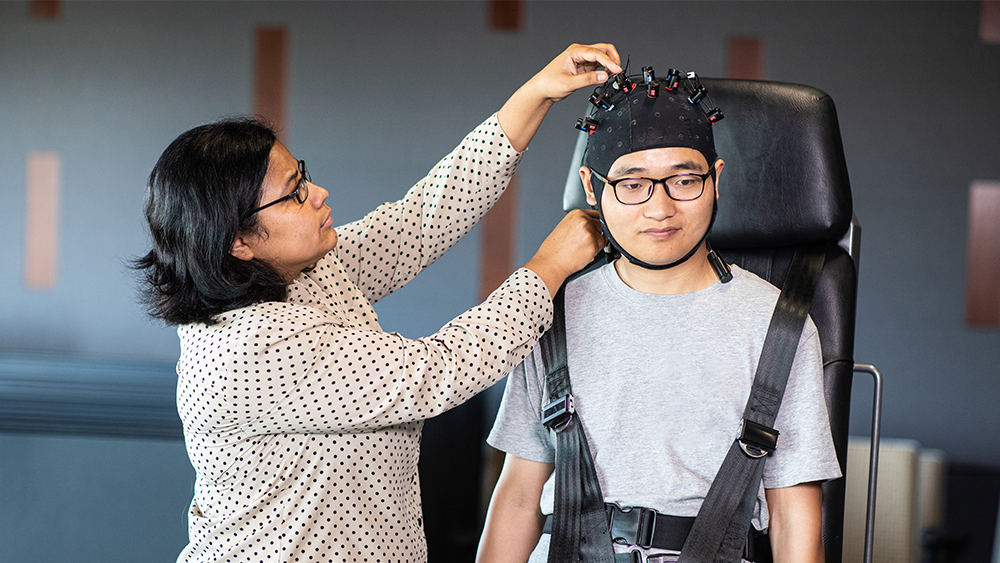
(630, 117)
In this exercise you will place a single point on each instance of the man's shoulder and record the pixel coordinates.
(589, 281)
(589, 275)
(747, 296)
(748, 281)
(760, 296)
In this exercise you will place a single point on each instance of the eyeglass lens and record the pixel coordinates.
(682, 187)
(302, 190)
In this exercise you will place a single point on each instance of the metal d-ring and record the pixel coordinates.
(636, 549)
(752, 451)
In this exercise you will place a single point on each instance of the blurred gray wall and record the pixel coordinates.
(378, 92)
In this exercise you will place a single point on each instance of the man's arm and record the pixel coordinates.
(514, 521)
(795, 527)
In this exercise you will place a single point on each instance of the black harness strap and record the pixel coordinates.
(719, 532)
(579, 524)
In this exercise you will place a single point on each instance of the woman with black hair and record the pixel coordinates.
(301, 416)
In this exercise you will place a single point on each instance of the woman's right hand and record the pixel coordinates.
(571, 246)
(577, 67)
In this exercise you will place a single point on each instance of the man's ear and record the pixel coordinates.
(587, 187)
(719, 164)
(241, 249)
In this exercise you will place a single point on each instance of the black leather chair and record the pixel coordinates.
(786, 185)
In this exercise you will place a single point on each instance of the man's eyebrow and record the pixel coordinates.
(683, 165)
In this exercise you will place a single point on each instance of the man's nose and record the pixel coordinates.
(660, 204)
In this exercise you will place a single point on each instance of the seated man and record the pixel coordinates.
(661, 351)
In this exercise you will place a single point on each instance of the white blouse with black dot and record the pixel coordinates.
(302, 418)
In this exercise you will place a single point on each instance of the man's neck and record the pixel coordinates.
(692, 275)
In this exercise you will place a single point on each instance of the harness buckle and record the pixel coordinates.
(557, 414)
(632, 526)
(757, 440)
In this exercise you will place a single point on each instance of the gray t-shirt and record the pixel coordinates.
(660, 383)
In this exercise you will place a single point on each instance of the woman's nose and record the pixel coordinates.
(318, 194)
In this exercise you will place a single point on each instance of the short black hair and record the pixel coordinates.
(199, 197)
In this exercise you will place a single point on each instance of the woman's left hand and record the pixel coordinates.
(572, 245)
(577, 67)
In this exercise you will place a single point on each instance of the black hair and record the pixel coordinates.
(199, 196)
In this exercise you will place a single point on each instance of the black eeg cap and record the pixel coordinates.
(638, 120)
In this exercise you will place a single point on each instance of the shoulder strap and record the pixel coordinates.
(553, 344)
(579, 523)
(719, 533)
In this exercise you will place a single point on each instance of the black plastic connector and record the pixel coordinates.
(557, 414)
(757, 440)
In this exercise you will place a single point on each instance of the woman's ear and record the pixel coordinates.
(587, 187)
(241, 249)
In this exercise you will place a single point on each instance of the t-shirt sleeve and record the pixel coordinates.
(518, 429)
(805, 449)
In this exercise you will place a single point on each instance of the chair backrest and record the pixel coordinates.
(785, 185)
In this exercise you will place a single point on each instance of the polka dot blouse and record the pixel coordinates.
(302, 418)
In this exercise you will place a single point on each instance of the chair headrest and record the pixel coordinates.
(785, 181)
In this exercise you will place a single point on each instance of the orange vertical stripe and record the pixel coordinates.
(496, 262)
(41, 220)
(271, 76)
(745, 58)
(506, 15)
(45, 9)
(499, 237)
(989, 21)
(982, 260)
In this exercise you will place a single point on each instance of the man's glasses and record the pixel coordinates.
(680, 187)
(300, 193)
